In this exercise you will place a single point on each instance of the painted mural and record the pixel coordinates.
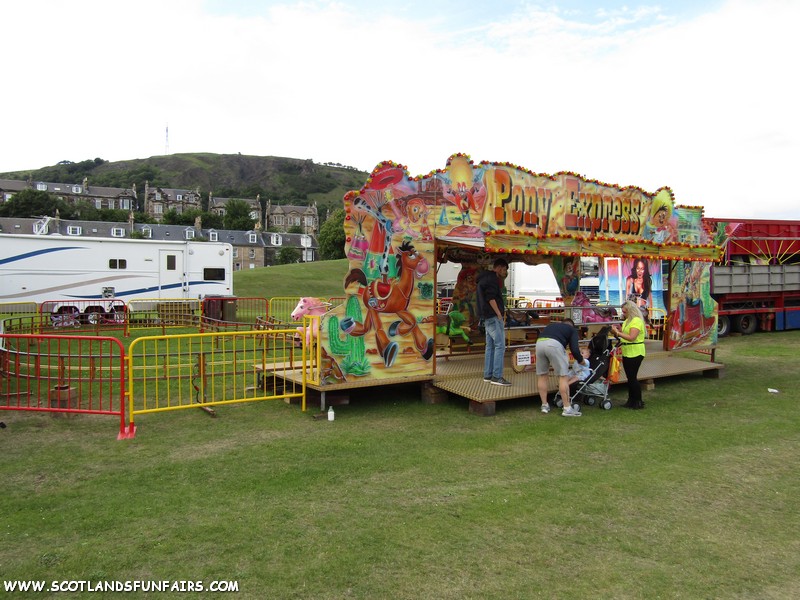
(399, 227)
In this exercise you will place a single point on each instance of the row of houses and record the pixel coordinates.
(157, 201)
(251, 249)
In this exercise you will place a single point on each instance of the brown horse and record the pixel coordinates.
(391, 296)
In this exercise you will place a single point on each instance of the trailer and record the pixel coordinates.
(757, 285)
(73, 272)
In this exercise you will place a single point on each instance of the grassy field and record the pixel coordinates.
(322, 278)
(695, 497)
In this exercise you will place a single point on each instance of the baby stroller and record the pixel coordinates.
(594, 389)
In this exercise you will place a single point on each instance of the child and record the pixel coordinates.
(580, 371)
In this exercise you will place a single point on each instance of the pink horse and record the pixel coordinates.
(309, 306)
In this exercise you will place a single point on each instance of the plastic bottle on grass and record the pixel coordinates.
(330, 413)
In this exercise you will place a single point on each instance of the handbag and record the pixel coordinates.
(613, 369)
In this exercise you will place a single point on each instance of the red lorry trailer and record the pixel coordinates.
(757, 285)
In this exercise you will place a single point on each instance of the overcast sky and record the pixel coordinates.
(698, 95)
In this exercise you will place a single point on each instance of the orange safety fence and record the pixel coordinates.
(63, 375)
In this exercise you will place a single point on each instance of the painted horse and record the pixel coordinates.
(391, 296)
(309, 306)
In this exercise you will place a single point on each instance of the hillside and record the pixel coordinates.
(282, 180)
(323, 279)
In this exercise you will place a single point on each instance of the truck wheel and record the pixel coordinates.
(723, 326)
(745, 324)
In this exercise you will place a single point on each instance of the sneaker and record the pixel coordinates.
(545, 408)
(500, 381)
(487, 380)
(570, 412)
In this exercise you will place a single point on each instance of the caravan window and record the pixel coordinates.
(171, 262)
(117, 263)
(214, 274)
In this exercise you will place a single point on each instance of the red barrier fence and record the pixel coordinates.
(63, 375)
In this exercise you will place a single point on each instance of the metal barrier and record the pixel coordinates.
(173, 372)
(335, 301)
(163, 313)
(18, 309)
(280, 309)
(312, 350)
(656, 323)
(63, 375)
(231, 313)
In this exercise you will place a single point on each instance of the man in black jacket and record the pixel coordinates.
(492, 308)
(551, 348)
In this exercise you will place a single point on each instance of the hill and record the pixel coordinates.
(282, 180)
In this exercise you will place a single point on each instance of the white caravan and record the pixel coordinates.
(38, 268)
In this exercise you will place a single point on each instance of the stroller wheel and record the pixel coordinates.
(606, 405)
(590, 400)
(576, 407)
(559, 403)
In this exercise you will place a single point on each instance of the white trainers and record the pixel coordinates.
(570, 412)
(545, 408)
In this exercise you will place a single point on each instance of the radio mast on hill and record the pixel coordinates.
(166, 142)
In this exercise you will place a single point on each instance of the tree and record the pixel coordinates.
(237, 215)
(331, 236)
(34, 203)
(287, 256)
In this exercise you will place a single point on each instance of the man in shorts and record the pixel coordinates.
(551, 348)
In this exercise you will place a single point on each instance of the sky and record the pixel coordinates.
(698, 95)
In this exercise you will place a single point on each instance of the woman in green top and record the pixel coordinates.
(632, 335)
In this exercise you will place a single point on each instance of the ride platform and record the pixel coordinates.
(463, 376)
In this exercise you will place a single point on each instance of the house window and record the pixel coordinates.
(73, 230)
(213, 236)
(252, 237)
(158, 196)
(190, 234)
(98, 204)
(305, 241)
(147, 232)
(178, 197)
(276, 239)
(255, 215)
(117, 263)
(117, 232)
(235, 253)
(278, 220)
(111, 204)
(252, 253)
(158, 209)
(308, 255)
(76, 189)
(125, 203)
(309, 221)
(42, 187)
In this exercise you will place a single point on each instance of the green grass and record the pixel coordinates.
(694, 497)
(322, 278)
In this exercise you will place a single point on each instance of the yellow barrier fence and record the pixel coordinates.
(174, 372)
(163, 313)
(280, 309)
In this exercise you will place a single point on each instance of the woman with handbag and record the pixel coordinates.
(632, 335)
